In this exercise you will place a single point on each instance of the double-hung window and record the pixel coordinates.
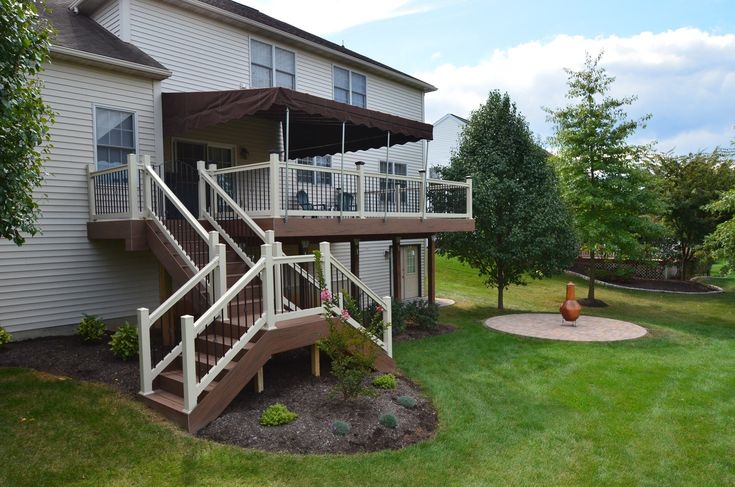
(350, 87)
(394, 186)
(115, 136)
(315, 177)
(271, 66)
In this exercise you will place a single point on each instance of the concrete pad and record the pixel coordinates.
(551, 327)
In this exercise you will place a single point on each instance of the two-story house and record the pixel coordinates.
(201, 151)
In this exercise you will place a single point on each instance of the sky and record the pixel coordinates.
(676, 56)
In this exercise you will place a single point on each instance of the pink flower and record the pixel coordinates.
(326, 295)
(345, 314)
(379, 309)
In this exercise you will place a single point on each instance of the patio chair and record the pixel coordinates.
(302, 198)
(347, 202)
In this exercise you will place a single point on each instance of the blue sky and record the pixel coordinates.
(677, 56)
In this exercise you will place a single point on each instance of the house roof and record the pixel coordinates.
(80, 37)
(463, 120)
(315, 122)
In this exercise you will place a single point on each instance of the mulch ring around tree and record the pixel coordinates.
(288, 380)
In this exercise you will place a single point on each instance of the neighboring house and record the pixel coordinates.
(132, 219)
(447, 133)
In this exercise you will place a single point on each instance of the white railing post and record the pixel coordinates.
(360, 189)
(133, 209)
(269, 290)
(213, 206)
(201, 188)
(387, 326)
(144, 351)
(277, 273)
(469, 197)
(147, 193)
(92, 190)
(325, 250)
(275, 183)
(219, 275)
(188, 362)
(422, 194)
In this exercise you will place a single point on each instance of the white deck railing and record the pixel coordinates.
(275, 189)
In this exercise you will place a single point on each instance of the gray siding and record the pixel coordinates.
(108, 16)
(60, 274)
(447, 131)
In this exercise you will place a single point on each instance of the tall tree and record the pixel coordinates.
(686, 185)
(601, 181)
(24, 117)
(522, 229)
(722, 240)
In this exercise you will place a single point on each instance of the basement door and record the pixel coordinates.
(410, 271)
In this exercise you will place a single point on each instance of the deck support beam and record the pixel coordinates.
(396, 265)
(431, 268)
(316, 367)
(258, 383)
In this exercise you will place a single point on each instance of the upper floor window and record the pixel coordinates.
(315, 177)
(115, 132)
(271, 66)
(350, 87)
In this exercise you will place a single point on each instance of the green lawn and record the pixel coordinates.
(513, 411)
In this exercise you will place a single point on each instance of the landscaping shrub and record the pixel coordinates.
(407, 402)
(341, 428)
(385, 381)
(277, 415)
(389, 421)
(5, 337)
(124, 342)
(414, 314)
(91, 329)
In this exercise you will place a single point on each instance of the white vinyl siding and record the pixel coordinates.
(108, 16)
(60, 274)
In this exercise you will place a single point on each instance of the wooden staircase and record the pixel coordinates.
(167, 395)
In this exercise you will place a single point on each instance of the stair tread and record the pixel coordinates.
(204, 358)
(178, 376)
(168, 399)
(216, 338)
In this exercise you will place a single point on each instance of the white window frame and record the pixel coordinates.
(350, 72)
(273, 60)
(136, 137)
(207, 144)
(315, 175)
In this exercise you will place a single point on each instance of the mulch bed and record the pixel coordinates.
(287, 380)
(665, 285)
(415, 333)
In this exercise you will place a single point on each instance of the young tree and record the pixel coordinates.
(722, 240)
(522, 229)
(601, 181)
(686, 185)
(24, 118)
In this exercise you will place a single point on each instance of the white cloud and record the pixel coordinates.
(330, 16)
(684, 77)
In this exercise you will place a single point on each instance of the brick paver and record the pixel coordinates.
(550, 326)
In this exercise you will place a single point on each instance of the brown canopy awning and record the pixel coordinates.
(315, 123)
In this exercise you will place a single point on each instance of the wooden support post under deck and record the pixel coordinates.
(259, 381)
(396, 250)
(431, 268)
(316, 368)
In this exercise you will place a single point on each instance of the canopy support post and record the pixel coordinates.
(287, 193)
(387, 170)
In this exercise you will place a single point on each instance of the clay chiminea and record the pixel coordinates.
(570, 308)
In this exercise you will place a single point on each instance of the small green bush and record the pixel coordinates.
(389, 421)
(91, 329)
(385, 381)
(276, 415)
(414, 314)
(341, 428)
(124, 342)
(407, 402)
(5, 337)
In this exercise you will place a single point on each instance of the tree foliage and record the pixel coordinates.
(606, 189)
(522, 228)
(686, 184)
(722, 241)
(24, 118)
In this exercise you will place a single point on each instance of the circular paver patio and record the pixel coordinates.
(550, 326)
(442, 302)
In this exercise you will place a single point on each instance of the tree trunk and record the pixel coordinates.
(500, 297)
(591, 286)
(501, 287)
